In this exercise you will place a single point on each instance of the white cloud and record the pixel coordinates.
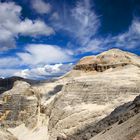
(44, 54)
(33, 28)
(7, 72)
(11, 25)
(41, 7)
(8, 62)
(42, 61)
(45, 71)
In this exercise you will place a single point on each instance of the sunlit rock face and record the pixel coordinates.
(88, 98)
(18, 105)
(121, 124)
(5, 135)
(110, 59)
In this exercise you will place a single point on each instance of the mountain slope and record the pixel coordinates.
(127, 126)
(90, 96)
(121, 124)
(129, 130)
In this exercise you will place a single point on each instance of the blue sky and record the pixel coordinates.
(45, 38)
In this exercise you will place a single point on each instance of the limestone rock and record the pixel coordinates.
(127, 128)
(5, 135)
(7, 83)
(106, 60)
(88, 99)
(18, 105)
(121, 124)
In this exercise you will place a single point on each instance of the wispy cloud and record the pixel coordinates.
(80, 22)
(86, 21)
(129, 39)
(126, 40)
(11, 25)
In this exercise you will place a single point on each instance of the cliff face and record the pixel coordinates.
(128, 130)
(85, 101)
(88, 98)
(78, 105)
(18, 105)
(121, 124)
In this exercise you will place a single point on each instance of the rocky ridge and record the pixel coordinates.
(7, 83)
(110, 59)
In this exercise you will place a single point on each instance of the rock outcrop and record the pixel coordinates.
(18, 105)
(7, 83)
(111, 59)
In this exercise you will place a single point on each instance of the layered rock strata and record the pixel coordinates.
(127, 113)
(5, 135)
(111, 59)
(18, 105)
(86, 100)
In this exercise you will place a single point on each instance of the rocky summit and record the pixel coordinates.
(97, 100)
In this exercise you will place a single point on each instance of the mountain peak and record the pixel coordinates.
(108, 59)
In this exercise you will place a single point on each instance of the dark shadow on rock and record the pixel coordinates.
(57, 89)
